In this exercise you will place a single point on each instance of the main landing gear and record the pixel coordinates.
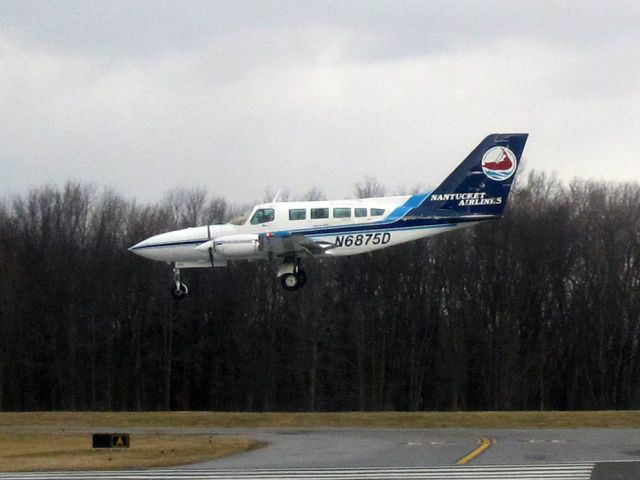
(179, 290)
(292, 277)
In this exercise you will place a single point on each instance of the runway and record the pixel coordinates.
(295, 453)
(578, 471)
(348, 448)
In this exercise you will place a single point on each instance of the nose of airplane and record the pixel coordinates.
(161, 247)
(139, 248)
(133, 248)
(153, 247)
(178, 245)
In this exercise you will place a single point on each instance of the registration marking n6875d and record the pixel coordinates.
(363, 239)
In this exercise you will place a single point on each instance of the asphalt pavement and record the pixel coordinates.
(291, 448)
(598, 454)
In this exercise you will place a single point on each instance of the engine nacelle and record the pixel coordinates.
(237, 246)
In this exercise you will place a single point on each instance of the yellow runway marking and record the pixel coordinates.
(483, 444)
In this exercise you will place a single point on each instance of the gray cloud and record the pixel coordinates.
(144, 96)
(391, 29)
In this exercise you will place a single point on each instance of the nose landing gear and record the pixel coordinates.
(179, 290)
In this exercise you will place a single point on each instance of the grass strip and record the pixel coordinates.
(529, 419)
(24, 451)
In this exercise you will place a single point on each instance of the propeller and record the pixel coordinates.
(211, 247)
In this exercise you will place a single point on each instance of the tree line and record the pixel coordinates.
(540, 310)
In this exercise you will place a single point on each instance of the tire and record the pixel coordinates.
(179, 293)
(290, 282)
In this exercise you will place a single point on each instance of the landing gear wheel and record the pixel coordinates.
(293, 281)
(290, 281)
(179, 291)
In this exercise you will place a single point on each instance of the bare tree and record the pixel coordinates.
(369, 188)
(540, 310)
(186, 206)
(313, 194)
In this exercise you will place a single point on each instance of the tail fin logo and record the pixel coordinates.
(499, 163)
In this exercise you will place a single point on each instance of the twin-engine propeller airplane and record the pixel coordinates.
(476, 191)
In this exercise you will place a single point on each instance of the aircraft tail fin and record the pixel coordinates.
(480, 185)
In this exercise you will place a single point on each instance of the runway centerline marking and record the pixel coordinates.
(483, 444)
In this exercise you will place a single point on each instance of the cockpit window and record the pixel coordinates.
(263, 215)
(377, 212)
(240, 219)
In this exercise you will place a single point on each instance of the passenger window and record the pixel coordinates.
(319, 213)
(341, 213)
(263, 215)
(297, 214)
(377, 212)
(361, 212)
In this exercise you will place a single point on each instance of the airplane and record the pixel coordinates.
(476, 191)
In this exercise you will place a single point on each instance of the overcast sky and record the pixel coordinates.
(144, 96)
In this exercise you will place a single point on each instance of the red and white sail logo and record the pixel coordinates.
(499, 163)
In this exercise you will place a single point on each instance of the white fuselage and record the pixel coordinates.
(375, 224)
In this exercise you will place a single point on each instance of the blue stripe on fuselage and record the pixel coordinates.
(413, 202)
(385, 229)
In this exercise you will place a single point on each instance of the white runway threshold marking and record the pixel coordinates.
(572, 471)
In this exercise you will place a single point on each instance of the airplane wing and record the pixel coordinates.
(293, 244)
